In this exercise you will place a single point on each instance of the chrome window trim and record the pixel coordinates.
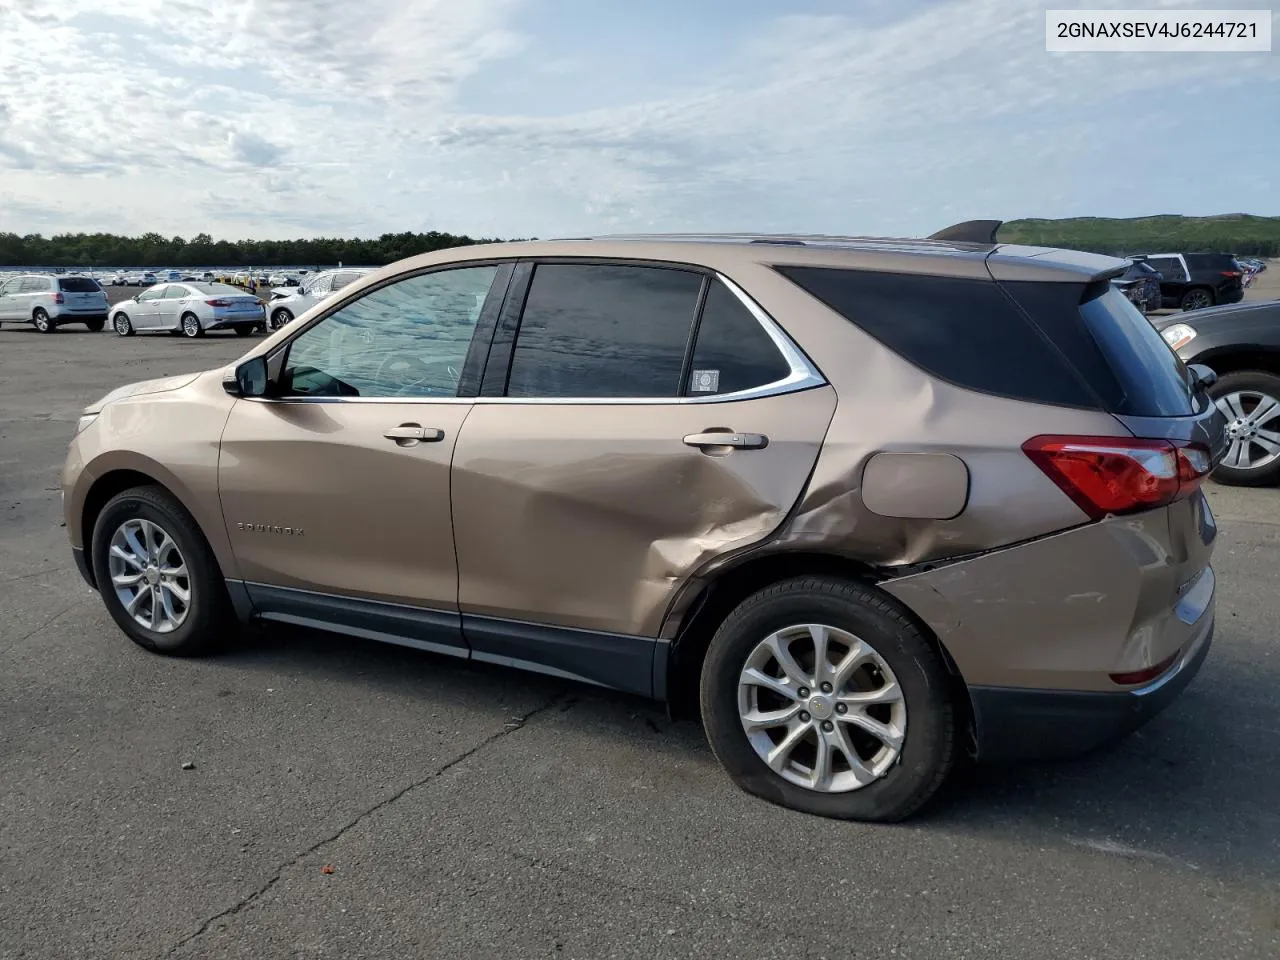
(803, 374)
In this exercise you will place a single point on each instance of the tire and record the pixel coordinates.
(191, 326)
(1240, 396)
(42, 321)
(123, 325)
(893, 785)
(280, 318)
(1197, 298)
(95, 326)
(208, 618)
(243, 331)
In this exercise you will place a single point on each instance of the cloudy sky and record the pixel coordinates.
(282, 118)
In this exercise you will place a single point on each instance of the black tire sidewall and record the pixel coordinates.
(48, 321)
(929, 746)
(207, 617)
(1194, 292)
(280, 318)
(1263, 382)
(183, 323)
(128, 325)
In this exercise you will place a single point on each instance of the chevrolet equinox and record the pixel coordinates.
(865, 505)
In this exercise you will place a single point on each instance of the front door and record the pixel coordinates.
(622, 455)
(142, 312)
(170, 307)
(335, 491)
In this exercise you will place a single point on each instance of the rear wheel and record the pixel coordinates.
(243, 331)
(822, 695)
(96, 325)
(1197, 299)
(191, 326)
(157, 574)
(1250, 400)
(122, 324)
(42, 321)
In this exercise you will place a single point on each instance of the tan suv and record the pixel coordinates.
(864, 503)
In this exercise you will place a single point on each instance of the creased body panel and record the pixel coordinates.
(1065, 611)
(590, 515)
(171, 436)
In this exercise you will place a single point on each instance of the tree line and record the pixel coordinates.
(1242, 234)
(154, 250)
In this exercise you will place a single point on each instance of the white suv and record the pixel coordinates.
(289, 302)
(50, 302)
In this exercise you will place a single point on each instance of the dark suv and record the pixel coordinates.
(1194, 280)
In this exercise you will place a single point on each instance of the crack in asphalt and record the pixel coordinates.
(509, 727)
(44, 572)
(48, 623)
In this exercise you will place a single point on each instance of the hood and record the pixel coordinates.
(142, 387)
(1224, 311)
(283, 291)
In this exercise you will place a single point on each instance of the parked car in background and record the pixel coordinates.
(1193, 281)
(1141, 284)
(720, 471)
(288, 302)
(1241, 344)
(191, 309)
(49, 302)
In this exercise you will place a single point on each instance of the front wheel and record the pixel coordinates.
(157, 575)
(123, 326)
(42, 321)
(821, 695)
(191, 326)
(280, 318)
(1250, 400)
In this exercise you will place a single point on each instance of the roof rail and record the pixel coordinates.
(971, 231)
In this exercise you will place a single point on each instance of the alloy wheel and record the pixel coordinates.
(149, 575)
(822, 708)
(191, 326)
(1250, 446)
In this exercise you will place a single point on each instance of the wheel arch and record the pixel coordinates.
(719, 595)
(1225, 360)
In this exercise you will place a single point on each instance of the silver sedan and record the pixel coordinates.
(190, 309)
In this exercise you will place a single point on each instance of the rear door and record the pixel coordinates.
(636, 421)
(170, 306)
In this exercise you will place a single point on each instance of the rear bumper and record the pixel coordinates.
(78, 316)
(1019, 724)
(227, 323)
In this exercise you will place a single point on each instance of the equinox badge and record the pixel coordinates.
(269, 528)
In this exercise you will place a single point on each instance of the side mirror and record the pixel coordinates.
(249, 380)
(1204, 376)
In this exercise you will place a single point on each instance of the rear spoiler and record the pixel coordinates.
(971, 231)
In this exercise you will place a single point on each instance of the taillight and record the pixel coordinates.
(1150, 673)
(1232, 273)
(59, 298)
(1115, 475)
(218, 303)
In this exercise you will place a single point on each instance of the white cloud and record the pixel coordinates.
(279, 117)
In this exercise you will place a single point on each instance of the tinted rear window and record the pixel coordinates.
(963, 331)
(1154, 380)
(78, 285)
(1210, 261)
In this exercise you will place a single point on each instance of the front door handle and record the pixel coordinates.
(724, 438)
(409, 434)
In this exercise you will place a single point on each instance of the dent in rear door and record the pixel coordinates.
(590, 516)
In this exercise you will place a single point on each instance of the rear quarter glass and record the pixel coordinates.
(964, 331)
(1111, 344)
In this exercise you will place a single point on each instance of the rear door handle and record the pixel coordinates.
(722, 438)
(409, 434)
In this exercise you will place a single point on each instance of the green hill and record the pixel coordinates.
(1239, 233)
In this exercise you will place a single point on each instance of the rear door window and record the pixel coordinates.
(603, 330)
(1170, 268)
(732, 351)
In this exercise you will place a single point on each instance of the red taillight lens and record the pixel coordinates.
(59, 298)
(1150, 673)
(1115, 475)
(1232, 273)
(218, 303)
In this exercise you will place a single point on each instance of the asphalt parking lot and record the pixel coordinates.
(469, 811)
